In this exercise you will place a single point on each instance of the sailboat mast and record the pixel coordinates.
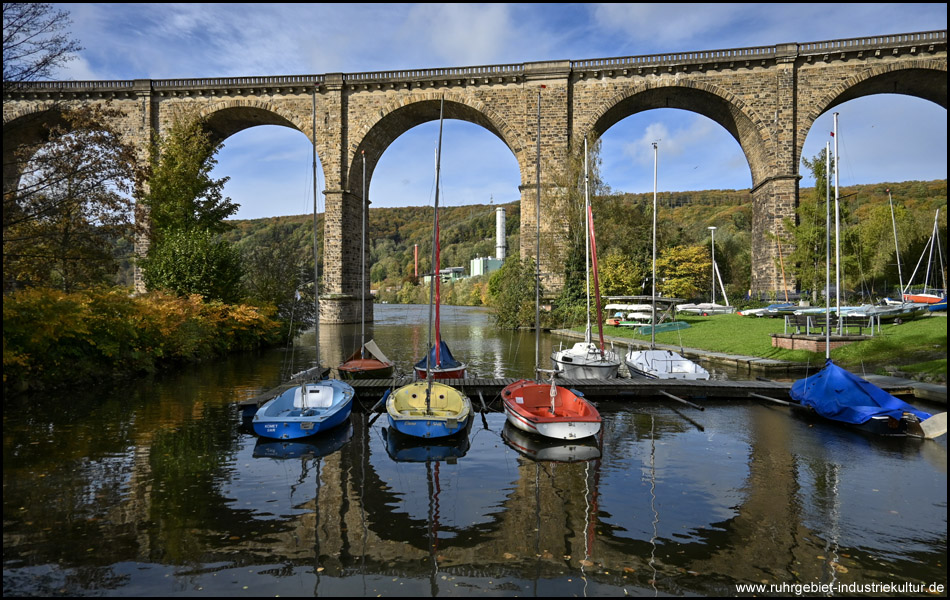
(435, 256)
(837, 237)
(587, 242)
(897, 248)
(827, 251)
(363, 266)
(653, 277)
(537, 252)
(316, 268)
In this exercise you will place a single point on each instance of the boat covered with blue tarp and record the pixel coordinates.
(841, 396)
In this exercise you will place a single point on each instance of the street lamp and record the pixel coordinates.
(712, 243)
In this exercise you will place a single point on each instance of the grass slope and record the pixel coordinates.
(916, 349)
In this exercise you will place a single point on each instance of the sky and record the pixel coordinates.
(881, 138)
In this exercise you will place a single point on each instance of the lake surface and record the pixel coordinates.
(156, 488)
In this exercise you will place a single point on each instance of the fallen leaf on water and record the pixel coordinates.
(508, 555)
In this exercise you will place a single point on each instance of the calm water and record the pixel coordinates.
(156, 489)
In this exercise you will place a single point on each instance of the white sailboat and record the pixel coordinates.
(587, 360)
(654, 363)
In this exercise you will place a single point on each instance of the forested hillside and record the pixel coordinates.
(623, 223)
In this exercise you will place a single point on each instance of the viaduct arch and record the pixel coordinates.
(766, 97)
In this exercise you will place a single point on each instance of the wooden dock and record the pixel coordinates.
(622, 389)
(369, 391)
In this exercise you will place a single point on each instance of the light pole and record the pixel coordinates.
(712, 243)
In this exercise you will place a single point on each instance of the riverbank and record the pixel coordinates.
(914, 353)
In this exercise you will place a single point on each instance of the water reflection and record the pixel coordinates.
(155, 488)
(547, 449)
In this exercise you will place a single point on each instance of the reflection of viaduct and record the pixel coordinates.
(352, 528)
(767, 98)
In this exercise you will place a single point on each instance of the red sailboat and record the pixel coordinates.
(536, 407)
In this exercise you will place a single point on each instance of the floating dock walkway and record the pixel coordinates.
(484, 392)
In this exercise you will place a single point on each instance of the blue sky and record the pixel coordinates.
(881, 138)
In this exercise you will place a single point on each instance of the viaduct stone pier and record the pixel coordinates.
(766, 97)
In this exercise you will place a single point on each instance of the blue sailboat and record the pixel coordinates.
(310, 407)
(427, 408)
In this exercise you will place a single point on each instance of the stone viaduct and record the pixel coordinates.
(767, 98)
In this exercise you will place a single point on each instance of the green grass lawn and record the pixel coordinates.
(917, 347)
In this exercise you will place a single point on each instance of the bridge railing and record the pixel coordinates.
(703, 57)
(873, 42)
(239, 81)
(700, 57)
(451, 72)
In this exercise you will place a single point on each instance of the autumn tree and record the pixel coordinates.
(72, 206)
(512, 293)
(684, 271)
(619, 276)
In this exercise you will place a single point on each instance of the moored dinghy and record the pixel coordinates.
(535, 407)
(305, 410)
(368, 362)
(840, 396)
(550, 410)
(428, 408)
(310, 407)
(653, 363)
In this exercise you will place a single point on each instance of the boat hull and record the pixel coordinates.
(366, 368)
(584, 361)
(458, 373)
(448, 413)
(663, 364)
(294, 414)
(527, 407)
